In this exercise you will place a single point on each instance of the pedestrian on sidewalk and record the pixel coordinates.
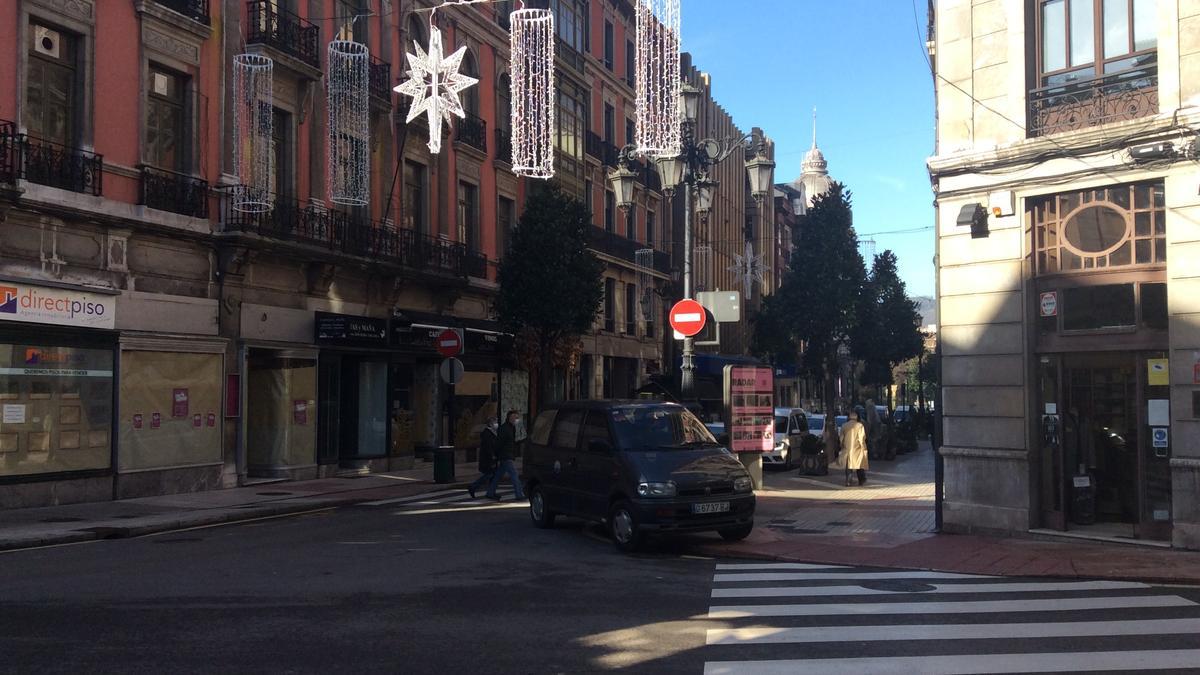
(488, 440)
(506, 448)
(854, 447)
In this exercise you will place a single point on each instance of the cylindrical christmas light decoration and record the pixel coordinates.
(349, 123)
(252, 128)
(658, 132)
(533, 115)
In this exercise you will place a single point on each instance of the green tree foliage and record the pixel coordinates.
(815, 311)
(889, 326)
(551, 285)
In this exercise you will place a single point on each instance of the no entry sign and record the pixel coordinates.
(687, 317)
(449, 343)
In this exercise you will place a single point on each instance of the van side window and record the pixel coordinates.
(541, 428)
(566, 429)
(595, 428)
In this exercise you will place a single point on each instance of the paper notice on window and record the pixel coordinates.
(1159, 413)
(14, 413)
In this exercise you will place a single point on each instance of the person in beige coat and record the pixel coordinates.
(854, 448)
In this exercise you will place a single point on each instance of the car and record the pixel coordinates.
(789, 423)
(641, 468)
(902, 413)
(717, 429)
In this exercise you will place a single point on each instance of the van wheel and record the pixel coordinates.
(736, 533)
(539, 513)
(623, 526)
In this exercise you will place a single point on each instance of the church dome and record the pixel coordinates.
(814, 161)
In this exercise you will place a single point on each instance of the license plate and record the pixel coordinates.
(711, 507)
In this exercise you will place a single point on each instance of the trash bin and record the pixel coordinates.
(443, 464)
(1083, 499)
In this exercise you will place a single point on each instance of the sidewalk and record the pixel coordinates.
(24, 528)
(889, 522)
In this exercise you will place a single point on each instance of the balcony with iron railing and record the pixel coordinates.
(283, 31)
(345, 233)
(504, 146)
(472, 130)
(613, 244)
(172, 191)
(1071, 106)
(197, 10)
(379, 79)
(46, 163)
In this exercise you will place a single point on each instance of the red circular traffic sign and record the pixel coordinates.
(687, 317)
(449, 343)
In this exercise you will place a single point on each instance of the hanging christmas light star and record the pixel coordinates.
(748, 267)
(434, 84)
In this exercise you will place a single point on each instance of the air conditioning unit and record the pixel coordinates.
(46, 41)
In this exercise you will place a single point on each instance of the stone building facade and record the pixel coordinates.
(1068, 252)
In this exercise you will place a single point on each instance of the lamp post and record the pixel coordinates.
(691, 170)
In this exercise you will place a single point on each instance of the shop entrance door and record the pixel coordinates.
(1098, 474)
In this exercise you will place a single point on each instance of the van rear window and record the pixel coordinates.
(541, 428)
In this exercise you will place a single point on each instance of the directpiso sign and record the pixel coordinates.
(62, 307)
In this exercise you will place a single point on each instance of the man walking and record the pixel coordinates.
(506, 447)
(488, 441)
(854, 447)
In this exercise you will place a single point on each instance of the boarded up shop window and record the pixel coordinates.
(184, 390)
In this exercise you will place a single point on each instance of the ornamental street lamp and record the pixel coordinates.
(692, 169)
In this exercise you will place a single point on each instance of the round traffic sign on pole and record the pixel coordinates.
(449, 343)
(452, 371)
(687, 317)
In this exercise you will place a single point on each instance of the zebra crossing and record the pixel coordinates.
(801, 618)
(455, 499)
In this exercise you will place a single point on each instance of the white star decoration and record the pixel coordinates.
(749, 267)
(434, 84)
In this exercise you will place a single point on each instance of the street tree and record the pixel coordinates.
(551, 285)
(810, 319)
(889, 325)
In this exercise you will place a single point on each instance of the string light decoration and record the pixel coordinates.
(252, 129)
(658, 132)
(349, 127)
(434, 84)
(531, 44)
(644, 260)
(748, 268)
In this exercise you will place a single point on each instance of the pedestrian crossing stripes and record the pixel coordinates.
(939, 622)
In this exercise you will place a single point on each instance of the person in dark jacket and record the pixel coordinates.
(506, 448)
(488, 441)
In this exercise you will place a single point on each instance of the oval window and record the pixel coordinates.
(1096, 229)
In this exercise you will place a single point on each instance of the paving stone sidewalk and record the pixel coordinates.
(889, 522)
(24, 528)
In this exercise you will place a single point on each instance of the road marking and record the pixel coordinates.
(837, 575)
(816, 591)
(965, 607)
(968, 663)
(978, 631)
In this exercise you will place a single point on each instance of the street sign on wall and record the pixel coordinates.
(687, 317)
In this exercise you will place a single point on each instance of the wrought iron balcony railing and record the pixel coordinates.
(613, 244)
(175, 192)
(283, 30)
(192, 9)
(379, 77)
(47, 163)
(504, 145)
(342, 232)
(472, 130)
(1126, 95)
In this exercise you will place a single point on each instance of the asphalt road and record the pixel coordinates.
(439, 584)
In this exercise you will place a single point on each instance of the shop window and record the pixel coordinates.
(1154, 306)
(1113, 227)
(55, 419)
(281, 412)
(185, 391)
(1099, 307)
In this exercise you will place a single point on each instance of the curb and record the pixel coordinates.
(193, 519)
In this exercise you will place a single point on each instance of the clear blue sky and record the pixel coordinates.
(860, 63)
